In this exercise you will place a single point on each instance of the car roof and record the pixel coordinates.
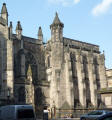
(17, 106)
(100, 111)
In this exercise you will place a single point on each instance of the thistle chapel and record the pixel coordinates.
(63, 73)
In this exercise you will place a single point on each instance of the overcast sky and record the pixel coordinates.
(85, 20)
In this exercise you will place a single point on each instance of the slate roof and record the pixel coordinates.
(79, 44)
(27, 39)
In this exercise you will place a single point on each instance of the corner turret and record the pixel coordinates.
(18, 30)
(57, 30)
(4, 13)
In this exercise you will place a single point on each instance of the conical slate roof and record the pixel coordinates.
(40, 32)
(18, 27)
(4, 9)
(57, 21)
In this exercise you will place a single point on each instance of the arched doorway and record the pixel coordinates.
(39, 102)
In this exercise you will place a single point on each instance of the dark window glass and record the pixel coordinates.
(48, 61)
(95, 113)
(23, 113)
(73, 64)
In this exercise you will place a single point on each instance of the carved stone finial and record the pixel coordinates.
(18, 27)
(11, 24)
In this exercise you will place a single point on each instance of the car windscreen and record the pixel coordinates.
(95, 113)
(25, 113)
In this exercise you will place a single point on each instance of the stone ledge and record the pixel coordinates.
(105, 90)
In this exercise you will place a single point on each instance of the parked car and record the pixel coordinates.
(95, 114)
(107, 116)
(17, 112)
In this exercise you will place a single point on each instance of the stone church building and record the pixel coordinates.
(63, 73)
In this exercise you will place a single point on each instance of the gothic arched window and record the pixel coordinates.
(30, 61)
(48, 61)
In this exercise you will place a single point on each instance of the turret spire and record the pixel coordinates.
(19, 30)
(18, 27)
(4, 13)
(40, 34)
(4, 9)
(11, 24)
(56, 29)
(57, 21)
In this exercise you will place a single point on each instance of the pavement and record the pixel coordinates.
(67, 119)
(63, 119)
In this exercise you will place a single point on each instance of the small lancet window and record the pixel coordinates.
(48, 61)
(95, 61)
